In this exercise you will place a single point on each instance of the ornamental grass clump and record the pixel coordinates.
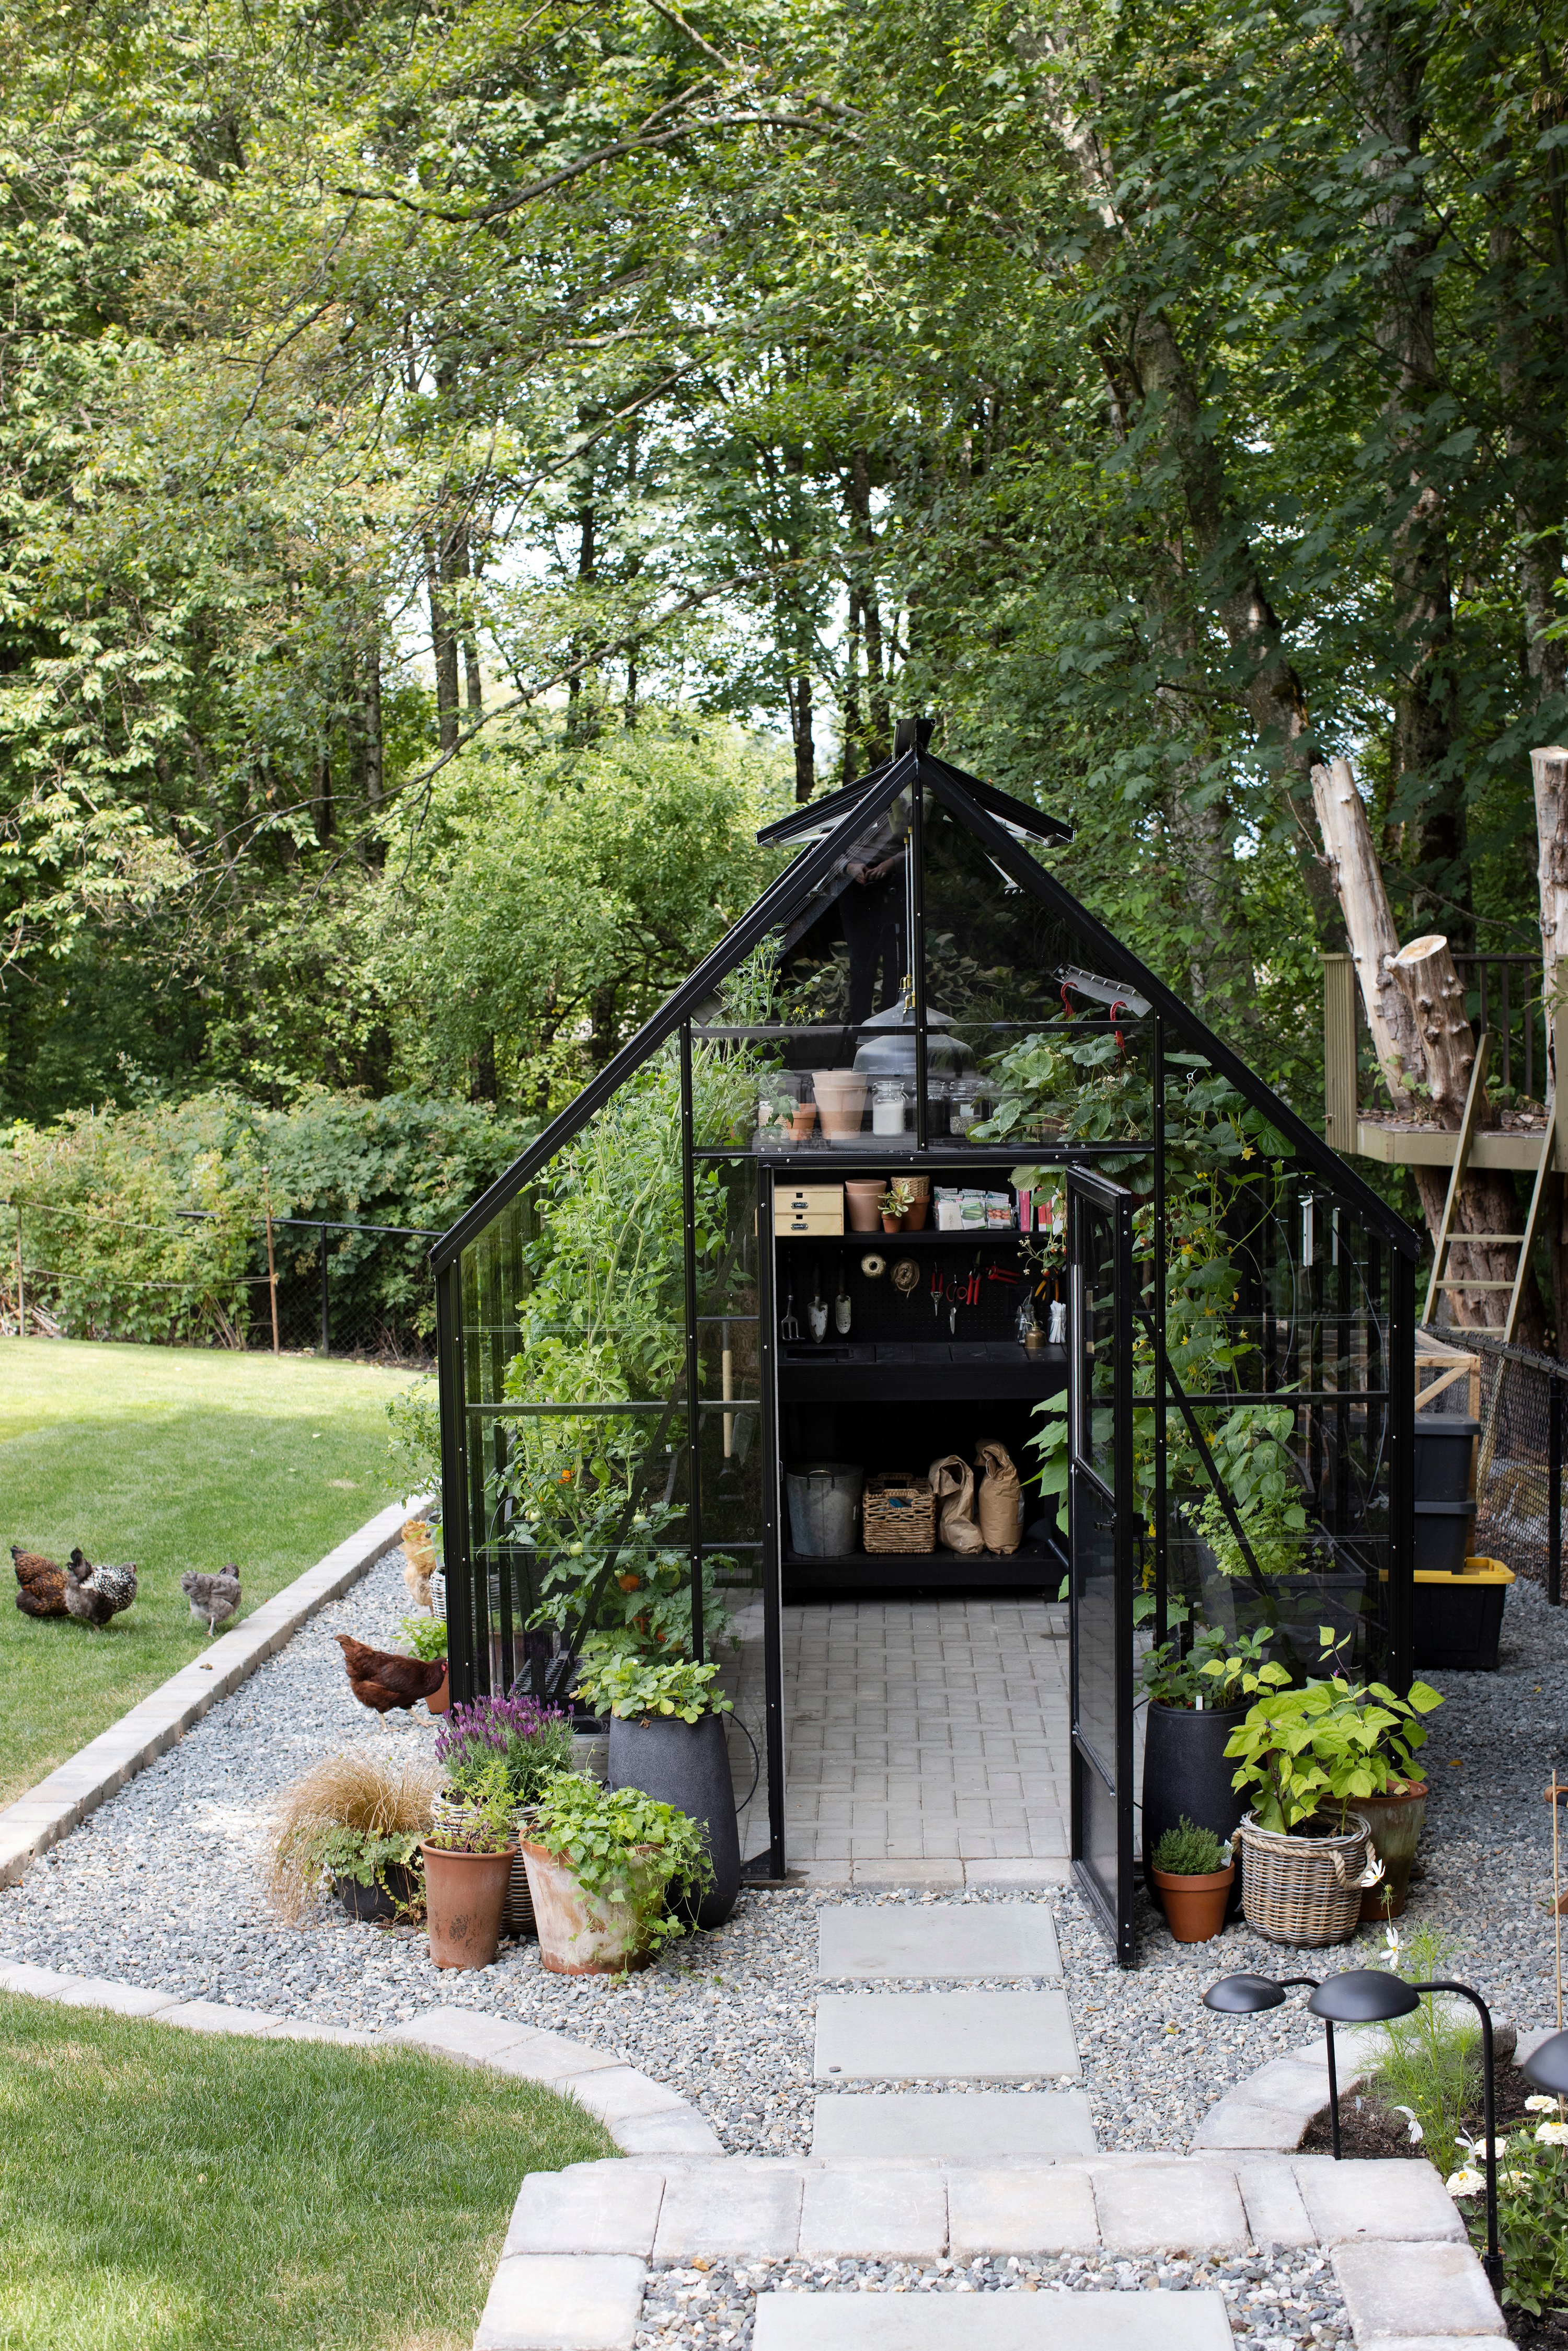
(622, 1846)
(529, 1740)
(355, 1816)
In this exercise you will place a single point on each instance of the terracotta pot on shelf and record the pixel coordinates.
(804, 1120)
(914, 1217)
(891, 1223)
(1195, 1907)
(1395, 1820)
(580, 1934)
(465, 1896)
(860, 1197)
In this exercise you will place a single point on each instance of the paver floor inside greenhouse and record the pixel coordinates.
(928, 1732)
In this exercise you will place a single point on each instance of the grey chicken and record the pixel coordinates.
(93, 1594)
(214, 1598)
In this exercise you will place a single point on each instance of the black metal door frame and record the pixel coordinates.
(1101, 1781)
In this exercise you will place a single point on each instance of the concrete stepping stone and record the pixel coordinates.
(1157, 2320)
(940, 2036)
(940, 1941)
(957, 2126)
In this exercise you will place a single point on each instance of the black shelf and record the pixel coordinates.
(894, 1243)
(1033, 1567)
(914, 1369)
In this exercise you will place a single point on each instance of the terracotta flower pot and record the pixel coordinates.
(915, 1216)
(1195, 1907)
(580, 1934)
(440, 1699)
(891, 1223)
(464, 1895)
(1396, 1822)
(861, 1198)
(804, 1120)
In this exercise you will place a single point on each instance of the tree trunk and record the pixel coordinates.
(375, 748)
(1425, 970)
(1352, 862)
(443, 650)
(800, 692)
(1549, 770)
(852, 703)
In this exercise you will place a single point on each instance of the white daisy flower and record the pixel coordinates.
(1551, 2133)
(1468, 2182)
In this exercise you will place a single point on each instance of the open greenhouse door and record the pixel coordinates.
(1100, 1543)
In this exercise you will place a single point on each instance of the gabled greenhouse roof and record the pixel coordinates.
(998, 821)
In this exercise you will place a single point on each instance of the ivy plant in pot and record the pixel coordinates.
(531, 1742)
(468, 1865)
(1196, 1699)
(1193, 1872)
(667, 1738)
(1305, 1755)
(602, 1863)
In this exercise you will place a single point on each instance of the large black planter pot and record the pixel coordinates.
(686, 1764)
(1187, 1772)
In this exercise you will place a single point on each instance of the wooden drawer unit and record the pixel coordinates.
(809, 1209)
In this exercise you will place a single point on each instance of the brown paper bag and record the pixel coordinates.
(952, 1483)
(1000, 1501)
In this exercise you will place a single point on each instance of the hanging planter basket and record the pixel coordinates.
(1305, 1889)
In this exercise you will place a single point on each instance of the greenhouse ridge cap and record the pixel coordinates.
(814, 814)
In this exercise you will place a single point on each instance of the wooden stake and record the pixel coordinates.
(271, 1265)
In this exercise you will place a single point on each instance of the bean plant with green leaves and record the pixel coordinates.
(636, 1690)
(1313, 1751)
(1218, 1670)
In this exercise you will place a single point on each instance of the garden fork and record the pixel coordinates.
(790, 1327)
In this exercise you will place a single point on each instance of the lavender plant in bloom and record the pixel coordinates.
(531, 1739)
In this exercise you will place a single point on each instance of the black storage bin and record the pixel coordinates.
(1445, 1447)
(1457, 1621)
(1443, 1536)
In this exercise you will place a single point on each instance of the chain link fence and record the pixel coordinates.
(1519, 1461)
(301, 1285)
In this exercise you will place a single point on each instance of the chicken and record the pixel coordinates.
(381, 1680)
(94, 1594)
(214, 1598)
(41, 1584)
(419, 1553)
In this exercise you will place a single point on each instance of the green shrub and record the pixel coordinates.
(1187, 1851)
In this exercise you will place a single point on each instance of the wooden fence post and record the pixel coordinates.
(271, 1265)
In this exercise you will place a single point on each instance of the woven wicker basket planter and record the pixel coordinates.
(518, 1918)
(1304, 1890)
(898, 1512)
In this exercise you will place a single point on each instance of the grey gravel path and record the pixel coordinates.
(1273, 2301)
(162, 1886)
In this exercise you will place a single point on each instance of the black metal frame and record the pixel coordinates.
(998, 823)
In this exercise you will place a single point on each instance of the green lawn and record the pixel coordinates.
(175, 1457)
(163, 2190)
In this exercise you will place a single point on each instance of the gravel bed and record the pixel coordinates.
(162, 1886)
(1283, 2297)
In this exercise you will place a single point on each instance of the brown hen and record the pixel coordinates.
(381, 1680)
(41, 1584)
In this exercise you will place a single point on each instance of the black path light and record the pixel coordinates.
(1373, 1996)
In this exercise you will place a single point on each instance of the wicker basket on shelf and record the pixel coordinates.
(1306, 1889)
(898, 1511)
(518, 1918)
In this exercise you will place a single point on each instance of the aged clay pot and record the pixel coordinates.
(580, 1933)
(1395, 1820)
(1195, 1907)
(464, 1895)
(442, 1698)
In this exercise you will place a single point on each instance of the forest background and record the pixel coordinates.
(462, 466)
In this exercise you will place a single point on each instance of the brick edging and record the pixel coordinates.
(49, 1811)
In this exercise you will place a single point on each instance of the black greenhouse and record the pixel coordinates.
(922, 1166)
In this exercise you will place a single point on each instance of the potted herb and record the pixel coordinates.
(667, 1738)
(467, 1865)
(1197, 1698)
(1306, 1756)
(1193, 1870)
(353, 1826)
(530, 1742)
(894, 1205)
(602, 1863)
(426, 1637)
